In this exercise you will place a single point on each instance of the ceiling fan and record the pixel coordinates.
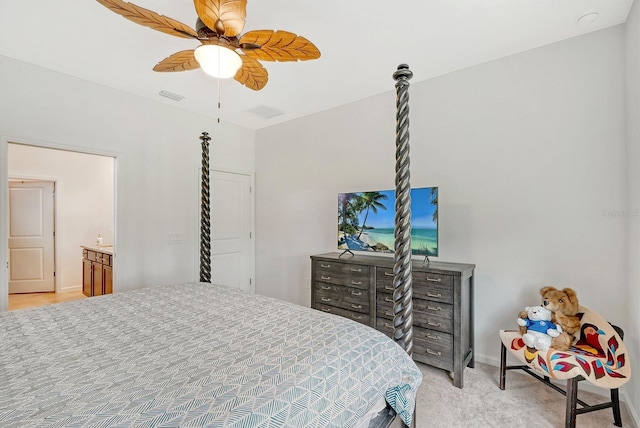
(218, 28)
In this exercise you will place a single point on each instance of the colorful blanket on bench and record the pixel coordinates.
(598, 353)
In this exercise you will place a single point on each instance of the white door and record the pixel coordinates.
(31, 256)
(231, 250)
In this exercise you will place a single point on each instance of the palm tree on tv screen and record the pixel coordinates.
(434, 201)
(371, 202)
(347, 212)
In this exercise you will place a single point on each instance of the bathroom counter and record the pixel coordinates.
(107, 249)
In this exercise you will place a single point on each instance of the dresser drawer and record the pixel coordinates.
(436, 338)
(433, 351)
(426, 344)
(426, 314)
(384, 279)
(433, 309)
(342, 273)
(431, 320)
(384, 308)
(352, 299)
(384, 305)
(427, 285)
(385, 326)
(358, 294)
(356, 316)
(433, 286)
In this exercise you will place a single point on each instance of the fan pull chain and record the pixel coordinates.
(219, 60)
(218, 100)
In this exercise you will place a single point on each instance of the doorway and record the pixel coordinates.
(31, 236)
(232, 217)
(84, 208)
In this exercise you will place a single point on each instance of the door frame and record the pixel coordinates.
(4, 203)
(56, 266)
(252, 198)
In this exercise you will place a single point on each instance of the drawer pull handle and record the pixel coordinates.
(434, 308)
(325, 299)
(429, 336)
(431, 323)
(325, 287)
(356, 306)
(325, 277)
(434, 279)
(324, 266)
(388, 287)
(356, 270)
(356, 293)
(356, 317)
(388, 274)
(437, 354)
(388, 325)
(388, 299)
(356, 282)
(326, 310)
(387, 313)
(433, 295)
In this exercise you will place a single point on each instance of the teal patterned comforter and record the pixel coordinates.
(195, 355)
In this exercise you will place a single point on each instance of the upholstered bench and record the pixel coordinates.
(597, 355)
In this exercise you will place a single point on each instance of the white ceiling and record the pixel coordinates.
(361, 41)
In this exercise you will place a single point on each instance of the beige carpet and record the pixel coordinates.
(525, 402)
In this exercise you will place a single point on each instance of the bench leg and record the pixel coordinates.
(572, 397)
(615, 400)
(503, 366)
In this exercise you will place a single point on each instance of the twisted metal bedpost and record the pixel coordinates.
(402, 275)
(205, 213)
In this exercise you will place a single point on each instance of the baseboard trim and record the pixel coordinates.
(635, 418)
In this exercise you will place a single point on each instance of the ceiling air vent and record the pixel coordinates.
(171, 95)
(265, 112)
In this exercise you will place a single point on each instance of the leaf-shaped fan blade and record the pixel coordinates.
(222, 16)
(279, 46)
(150, 19)
(180, 61)
(252, 74)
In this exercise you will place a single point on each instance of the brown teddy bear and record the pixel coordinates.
(564, 306)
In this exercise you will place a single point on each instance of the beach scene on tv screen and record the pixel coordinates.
(366, 221)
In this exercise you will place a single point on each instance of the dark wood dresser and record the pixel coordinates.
(360, 287)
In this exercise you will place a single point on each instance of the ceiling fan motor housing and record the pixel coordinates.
(210, 37)
(202, 28)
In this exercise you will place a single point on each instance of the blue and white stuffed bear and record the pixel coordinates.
(540, 329)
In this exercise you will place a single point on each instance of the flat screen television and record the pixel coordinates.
(366, 221)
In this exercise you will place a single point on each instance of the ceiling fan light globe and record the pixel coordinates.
(218, 61)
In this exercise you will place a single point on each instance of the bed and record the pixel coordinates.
(207, 355)
(181, 356)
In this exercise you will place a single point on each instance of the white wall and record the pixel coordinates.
(632, 337)
(158, 153)
(529, 155)
(84, 204)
